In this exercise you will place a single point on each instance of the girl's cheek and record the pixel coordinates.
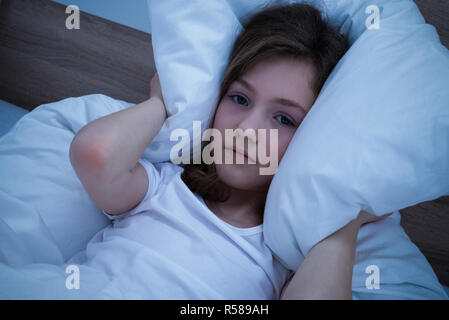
(227, 115)
(279, 143)
(284, 145)
(219, 116)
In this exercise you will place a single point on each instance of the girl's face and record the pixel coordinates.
(259, 100)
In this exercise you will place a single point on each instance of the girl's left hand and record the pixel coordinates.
(365, 217)
(350, 231)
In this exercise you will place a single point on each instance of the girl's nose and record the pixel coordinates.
(252, 121)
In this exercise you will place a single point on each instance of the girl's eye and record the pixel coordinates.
(238, 99)
(284, 120)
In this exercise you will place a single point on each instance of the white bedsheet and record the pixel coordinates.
(9, 115)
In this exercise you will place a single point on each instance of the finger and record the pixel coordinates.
(384, 216)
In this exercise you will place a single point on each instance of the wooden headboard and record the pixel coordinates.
(41, 61)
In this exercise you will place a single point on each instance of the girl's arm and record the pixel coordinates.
(105, 153)
(326, 272)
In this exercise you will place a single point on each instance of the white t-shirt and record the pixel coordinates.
(171, 246)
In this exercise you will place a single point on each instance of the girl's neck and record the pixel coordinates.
(243, 209)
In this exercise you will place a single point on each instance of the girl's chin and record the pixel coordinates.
(242, 176)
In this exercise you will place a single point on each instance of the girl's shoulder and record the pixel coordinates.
(167, 170)
(168, 165)
(164, 166)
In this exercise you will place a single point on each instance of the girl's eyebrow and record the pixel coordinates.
(281, 101)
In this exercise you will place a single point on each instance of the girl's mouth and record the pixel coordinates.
(237, 154)
(242, 153)
(245, 156)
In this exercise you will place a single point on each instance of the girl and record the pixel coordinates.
(195, 231)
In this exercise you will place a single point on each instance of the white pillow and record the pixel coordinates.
(377, 137)
(191, 45)
(42, 202)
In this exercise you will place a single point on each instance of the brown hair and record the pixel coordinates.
(293, 31)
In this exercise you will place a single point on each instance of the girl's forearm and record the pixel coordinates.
(326, 272)
(124, 135)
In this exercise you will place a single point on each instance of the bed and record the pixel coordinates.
(116, 60)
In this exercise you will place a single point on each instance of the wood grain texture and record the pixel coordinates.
(427, 225)
(42, 61)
